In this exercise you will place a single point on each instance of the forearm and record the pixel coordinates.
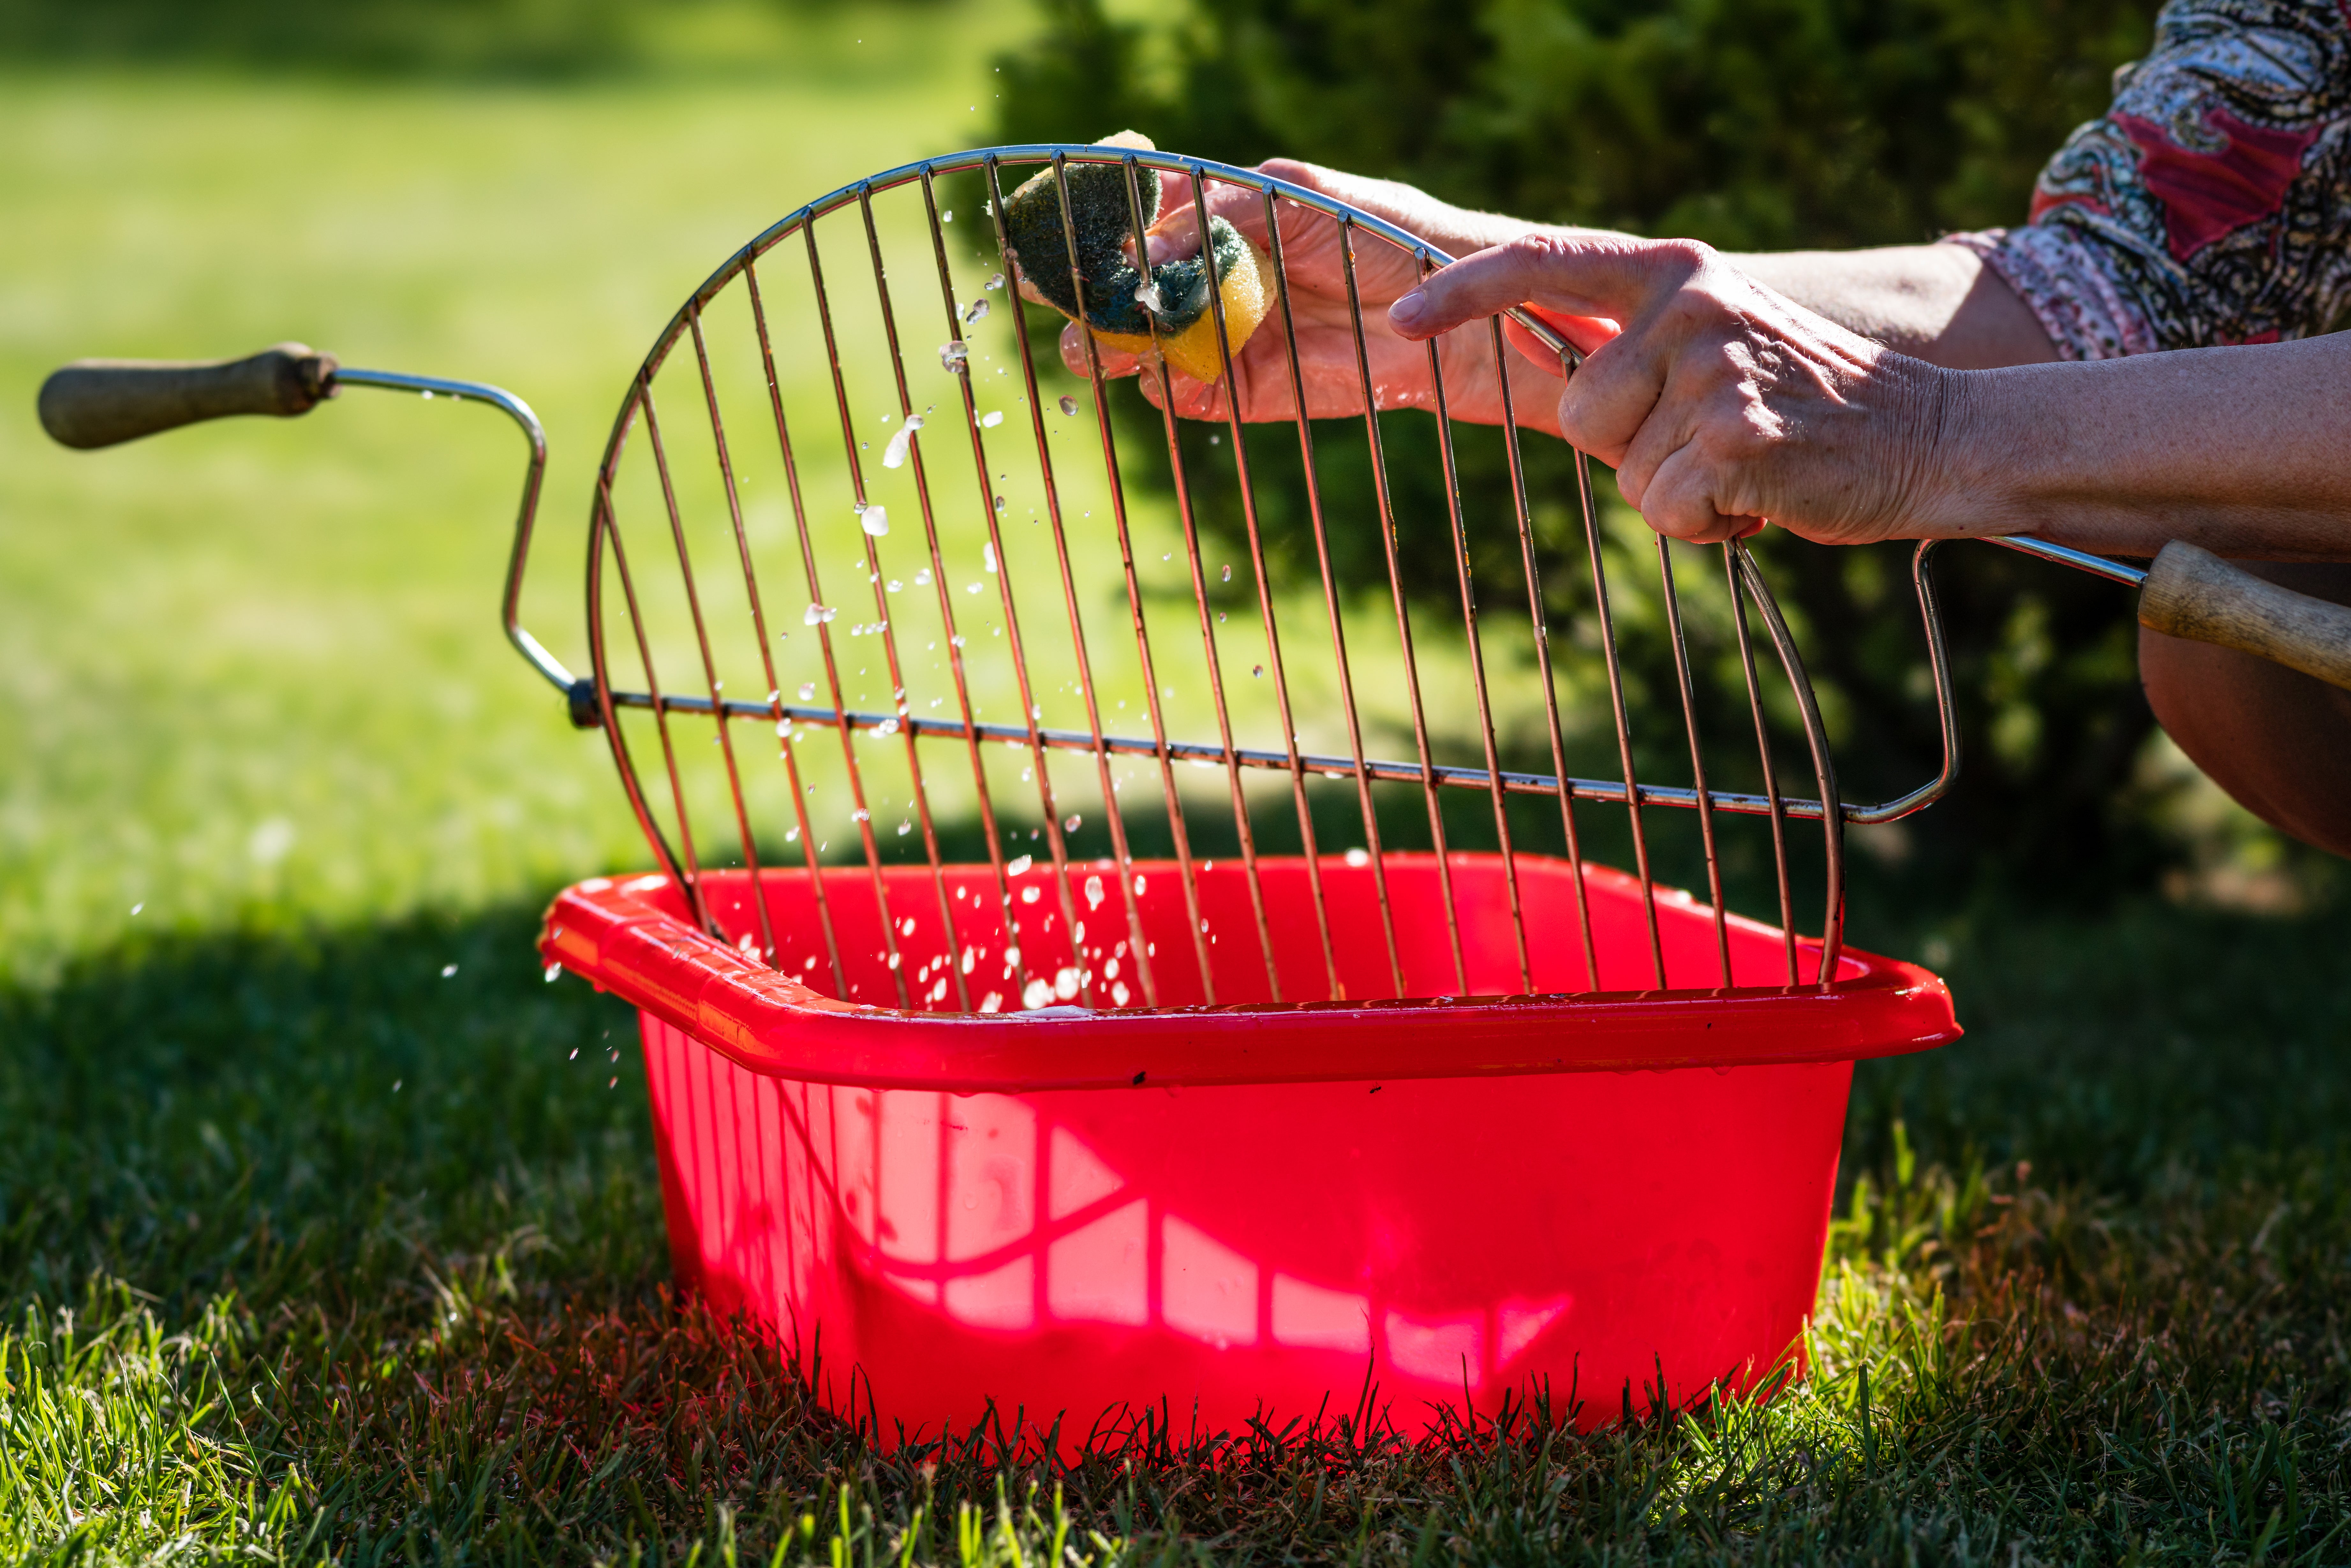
(1938, 303)
(2245, 451)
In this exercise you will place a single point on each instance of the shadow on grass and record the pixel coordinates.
(298, 1111)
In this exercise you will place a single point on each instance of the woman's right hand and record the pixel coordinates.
(1316, 273)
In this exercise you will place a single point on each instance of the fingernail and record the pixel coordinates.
(1409, 310)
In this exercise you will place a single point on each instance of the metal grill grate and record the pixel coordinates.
(803, 469)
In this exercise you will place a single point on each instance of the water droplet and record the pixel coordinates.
(1220, 617)
(1228, 572)
(554, 973)
(1037, 994)
(976, 312)
(875, 521)
(905, 828)
(1028, 895)
(1256, 669)
(1069, 405)
(818, 615)
(860, 815)
(1094, 894)
(807, 691)
(957, 641)
(999, 503)
(791, 835)
(1073, 822)
(1216, 438)
(991, 419)
(987, 555)
(948, 216)
(955, 356)
(923, 578)
(1119, 993)
(447, 970)
(894, 455)
(137, 907)
(1018, 864)
(1147, 295)
(997, 281)
(972, 589)
(1359, 857)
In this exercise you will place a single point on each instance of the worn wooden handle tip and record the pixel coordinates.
(2191, 592)
(98, 403)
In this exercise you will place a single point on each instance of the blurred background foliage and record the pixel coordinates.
(1763, 124)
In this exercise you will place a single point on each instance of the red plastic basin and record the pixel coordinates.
(1221, 1212)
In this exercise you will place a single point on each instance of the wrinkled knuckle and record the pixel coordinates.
(1692, 254)
(1538, 251)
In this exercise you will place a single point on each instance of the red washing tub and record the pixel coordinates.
(1251, 1207)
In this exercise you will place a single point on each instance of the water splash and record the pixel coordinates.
(894, 455)
(955, 356)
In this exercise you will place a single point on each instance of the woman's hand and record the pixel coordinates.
(1721, 405)
(1327, 363)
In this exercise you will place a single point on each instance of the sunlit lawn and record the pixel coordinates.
(328, 1227)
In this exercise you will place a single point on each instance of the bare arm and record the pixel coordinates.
(1938, 303)
(2245, 451)
(1723, 403)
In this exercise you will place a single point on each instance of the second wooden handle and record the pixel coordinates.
(2191, 592)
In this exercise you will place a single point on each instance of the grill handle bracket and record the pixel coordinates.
(93, 403)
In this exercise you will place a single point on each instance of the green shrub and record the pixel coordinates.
(1753, 124)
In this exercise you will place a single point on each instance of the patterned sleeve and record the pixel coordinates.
(2213, 203)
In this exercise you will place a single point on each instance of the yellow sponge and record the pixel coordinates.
(1250, 294)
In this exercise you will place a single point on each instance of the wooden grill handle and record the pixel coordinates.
(98, 403)
(2191, 592)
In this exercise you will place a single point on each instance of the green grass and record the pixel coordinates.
(308, 1250)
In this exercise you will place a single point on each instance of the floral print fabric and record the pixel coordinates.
(2213, 203)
